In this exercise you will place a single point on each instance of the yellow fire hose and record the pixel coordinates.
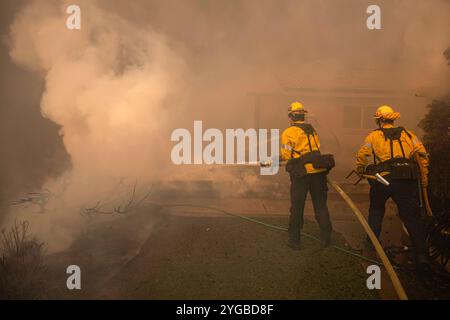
(390, 270)
(424, 188)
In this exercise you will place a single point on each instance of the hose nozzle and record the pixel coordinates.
(382, 180)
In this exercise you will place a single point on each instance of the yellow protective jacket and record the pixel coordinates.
(294, 138)
(376, 143)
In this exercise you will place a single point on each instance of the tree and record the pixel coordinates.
(436, 126)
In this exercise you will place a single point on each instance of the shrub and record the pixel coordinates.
(21, 264)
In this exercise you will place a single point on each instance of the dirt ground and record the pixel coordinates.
(189, 257)
(224, 258)
(194, 252)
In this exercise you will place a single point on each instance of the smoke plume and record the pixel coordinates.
(108, 87)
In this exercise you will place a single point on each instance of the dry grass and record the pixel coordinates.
(21, 263)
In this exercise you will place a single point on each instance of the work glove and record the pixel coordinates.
(360, 170)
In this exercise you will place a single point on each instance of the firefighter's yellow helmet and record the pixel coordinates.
(386, 112)
(296, 107)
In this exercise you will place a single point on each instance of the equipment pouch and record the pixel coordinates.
(296, 167)
(401, 169)
(324, 161)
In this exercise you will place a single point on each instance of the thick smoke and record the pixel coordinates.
(136, 70)
(108, 88)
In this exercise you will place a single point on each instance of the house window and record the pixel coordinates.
(357, 117)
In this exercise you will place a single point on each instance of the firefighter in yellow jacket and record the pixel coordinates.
(392, 153)
(300, 142)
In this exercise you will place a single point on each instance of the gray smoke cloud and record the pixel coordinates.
(136, 70)
(106, 86)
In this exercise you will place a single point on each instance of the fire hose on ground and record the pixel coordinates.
(379, 249)
(387, 264)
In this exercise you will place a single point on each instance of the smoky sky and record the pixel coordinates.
(31, 147)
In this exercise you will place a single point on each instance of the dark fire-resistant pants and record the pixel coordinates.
(405, 194)
(316, 184)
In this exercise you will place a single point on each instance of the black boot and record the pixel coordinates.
(294, 238)
(294, 244)
(369, 245)
(325, 237)
(423, 265)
